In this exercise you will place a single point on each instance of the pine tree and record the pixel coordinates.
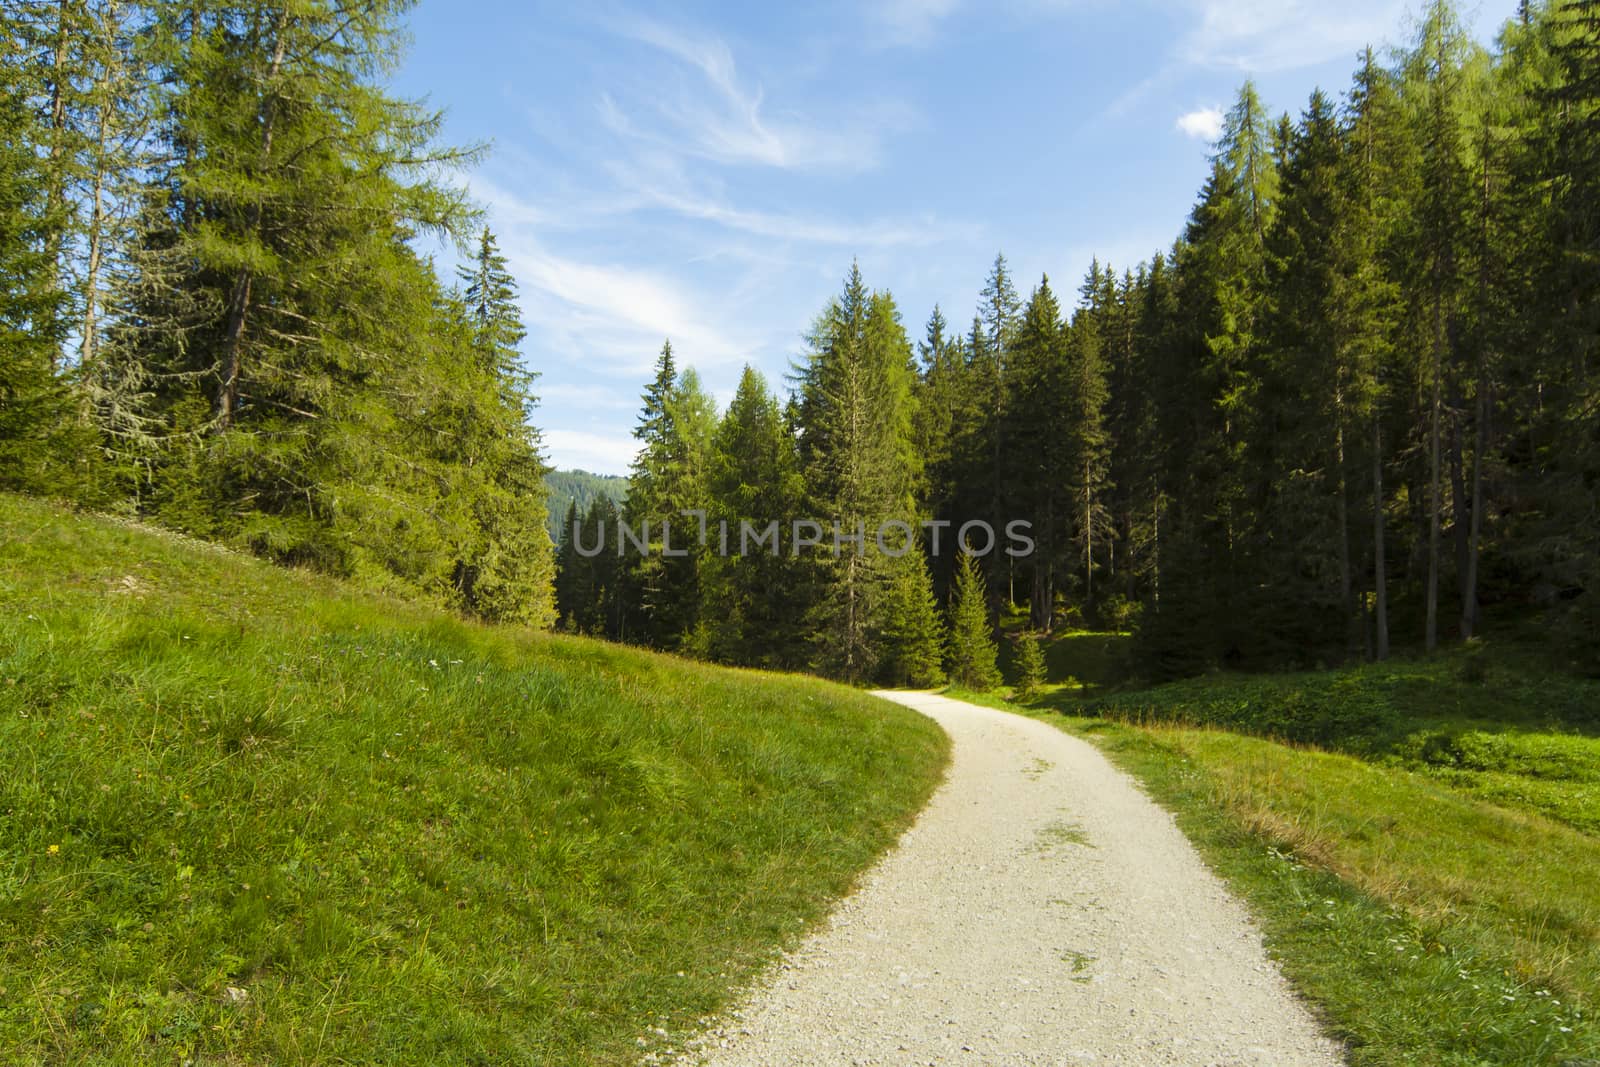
(1085, 398)
(854, 423)
(1366, 300)
(1030, 667)
(999, 314)
(754, 602)
(1040, 429)
(670, 479)
(1435, 73)
(972, 649)
(34, 402)
(278, 338)
(912, 633)
(507, 570)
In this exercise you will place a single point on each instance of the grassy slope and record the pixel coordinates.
(249, 816)
(1432, 884)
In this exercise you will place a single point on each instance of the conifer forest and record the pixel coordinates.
(1353, 408)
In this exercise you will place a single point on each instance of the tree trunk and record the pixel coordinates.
(1155, 570)
(1342, 503)
(56, 189)
(1088, 542)
(1435, 487)
(1469, 582)
(91, 279)
(1380, 577)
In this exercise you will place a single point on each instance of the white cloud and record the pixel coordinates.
(613, 315)
(1204, 124)
(569, 397)
(598, 453)
(664, 185)
(1263, 36)
(730, 123)
(912, 22)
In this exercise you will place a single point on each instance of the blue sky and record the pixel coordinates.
(706, 172)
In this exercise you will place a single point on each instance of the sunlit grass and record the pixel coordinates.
(250, 816)
(1416, 837)
(1428, 926)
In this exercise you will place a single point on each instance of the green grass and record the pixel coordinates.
(1418, 839)
(253, 816)
(1494, 722)
(1427, 926)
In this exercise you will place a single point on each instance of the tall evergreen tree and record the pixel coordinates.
(1087, 448)
(1435, 71)
(754, 601)
(278, 329)
(972, 649)
(669, 478)
(35, 404)
(912, 632)
(854, 421)
(1039, 431)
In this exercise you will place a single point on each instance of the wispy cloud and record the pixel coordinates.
(587, 397)
(1204, 124)
(726, 121)
(1263, 36)
(614, 315)
(663, 185)
(912, 23)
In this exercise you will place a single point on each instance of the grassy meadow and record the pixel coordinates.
(249, 815)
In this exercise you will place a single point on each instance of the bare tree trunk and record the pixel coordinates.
(91, 279)
(1469, 582)
(1088, 539)
(1380, 577)
(1431, 631)
(1346, 593)
(1155, 577)
(56, 189)
(1469, 571)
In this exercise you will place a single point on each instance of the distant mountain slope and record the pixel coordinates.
(582, 487)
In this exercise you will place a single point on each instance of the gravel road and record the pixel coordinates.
(1042, 910)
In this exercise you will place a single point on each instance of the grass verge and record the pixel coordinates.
(251, 816)
(1430, 885)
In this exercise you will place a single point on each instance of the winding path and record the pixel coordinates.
(1042, 910)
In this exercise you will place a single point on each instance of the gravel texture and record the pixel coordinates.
(1042, 910)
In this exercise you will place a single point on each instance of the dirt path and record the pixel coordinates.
(1041, 911)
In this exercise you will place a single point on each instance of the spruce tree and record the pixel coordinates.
(670, 477)
(754, 603)
(573, 586)
(1039, 458)
(972, 653)
(912, 633)
(1306, 442)
(34, 401)
(1030, 667)
(507, 569)
(279, 334)
(1087, 449)
(1435, 73)
(854, 423)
